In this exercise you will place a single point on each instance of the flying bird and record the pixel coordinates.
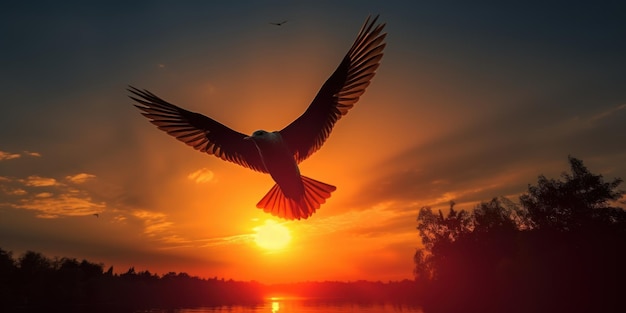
(278, 153)
(279, 24)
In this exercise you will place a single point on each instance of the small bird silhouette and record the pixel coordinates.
(96, 215)
(279, 24)
(279, 152)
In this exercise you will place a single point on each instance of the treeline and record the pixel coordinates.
(561, 249)
(365, 292)
(35, 282)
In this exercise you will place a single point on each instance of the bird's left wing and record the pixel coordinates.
(198, 131)
(341, 91)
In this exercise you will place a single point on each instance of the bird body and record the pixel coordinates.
(278, 153)
(279, 162)
(294, 195)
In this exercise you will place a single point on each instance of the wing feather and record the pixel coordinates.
(198, 131)
(339, 93)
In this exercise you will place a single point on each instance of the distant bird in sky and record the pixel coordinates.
(279, 152)
(279, 24)
(96, 215)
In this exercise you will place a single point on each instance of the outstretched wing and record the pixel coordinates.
(341, 91)
(198, 131)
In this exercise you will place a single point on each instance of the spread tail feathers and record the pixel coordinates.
(315, 193)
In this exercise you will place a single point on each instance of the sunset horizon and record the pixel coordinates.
(470, 102)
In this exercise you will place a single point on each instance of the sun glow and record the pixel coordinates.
(272, 236)
(275, 306)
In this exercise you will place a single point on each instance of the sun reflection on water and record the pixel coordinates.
(275, 301)
(275, 306)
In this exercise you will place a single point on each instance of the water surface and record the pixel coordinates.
(301, 305)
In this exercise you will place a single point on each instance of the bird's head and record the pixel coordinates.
(259, 136)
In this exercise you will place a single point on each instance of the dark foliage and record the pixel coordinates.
(34, 282)
(561, 250)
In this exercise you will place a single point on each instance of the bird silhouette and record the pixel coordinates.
(279, 24)
(279, 152)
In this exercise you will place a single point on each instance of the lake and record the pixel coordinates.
(300, 305)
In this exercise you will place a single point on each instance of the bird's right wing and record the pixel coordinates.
(341, 91)
(198, 131)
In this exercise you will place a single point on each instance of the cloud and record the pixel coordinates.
(157, 226)
(202, 175)
(53, 206)
(10, 190)
(49, 197)
(119, 218)
(10, 156)
(607, 113)
(79, 178)
(227, 240)
(494, 157)
(13, 191)
(369, 222)
(38, 181)
(33, 154)
(155, 223)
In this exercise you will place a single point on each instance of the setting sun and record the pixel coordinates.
(272, 236)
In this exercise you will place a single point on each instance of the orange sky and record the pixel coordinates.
(469, 103)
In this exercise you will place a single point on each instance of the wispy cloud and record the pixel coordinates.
(12, 191)
(155, 223)
(581, 123)
(53, 206)
(33, 154)
(351, 220)
(38, 181)
(49, 197)
(607, 113)
(80, 178)
(227, 240)
(202, 175)
(10, 155)
(477, 162)
(119, 218)
(157, 226)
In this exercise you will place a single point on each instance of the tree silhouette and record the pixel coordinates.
(581, 200)
(7, 278)
(37, 283)
(561, 250)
